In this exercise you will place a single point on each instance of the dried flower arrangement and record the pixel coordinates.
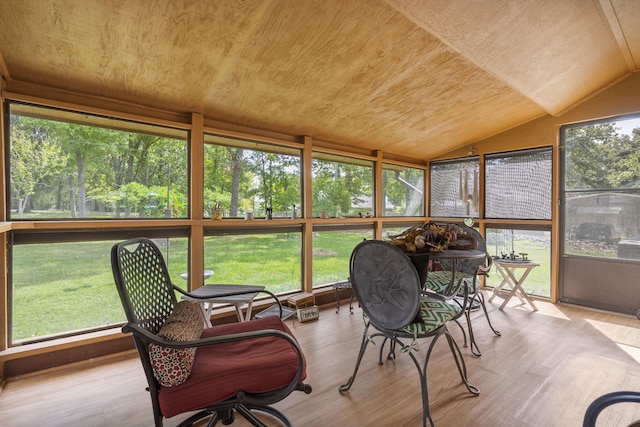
(433, 238)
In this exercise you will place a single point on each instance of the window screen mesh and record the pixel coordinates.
(518, 185)
(455, 188)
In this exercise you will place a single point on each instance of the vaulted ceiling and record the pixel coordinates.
(414, 78)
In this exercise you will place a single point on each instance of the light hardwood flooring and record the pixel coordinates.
(544, 371)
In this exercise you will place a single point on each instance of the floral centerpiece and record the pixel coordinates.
(432, 238)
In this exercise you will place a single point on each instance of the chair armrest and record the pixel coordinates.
(153, 338)
(605, 401)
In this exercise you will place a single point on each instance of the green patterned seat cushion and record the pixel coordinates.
(438, 281)
(435, 313)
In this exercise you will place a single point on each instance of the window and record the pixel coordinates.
(332, 247)
(518, 185)
(455, 188)
(403, 190)
(342, 186)
(602, 189)
(67, 165)
(535, 245)
(62, 284)
(242, 176)
(270, 257)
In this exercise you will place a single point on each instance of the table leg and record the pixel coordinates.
(509, 278)
(498, 288)
(513, 291)
(521, 292)
(249, 308)
(239, 312)
(206, 312)
(515, 285)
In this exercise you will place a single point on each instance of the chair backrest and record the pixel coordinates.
(386, 284)
(143, 282)
(470, 266)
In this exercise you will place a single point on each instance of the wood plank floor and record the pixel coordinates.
(544, 371)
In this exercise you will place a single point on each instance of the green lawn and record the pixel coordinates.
(62, 287)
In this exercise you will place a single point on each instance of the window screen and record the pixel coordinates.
(455, 188)
(518, 185)
(403, 190)
(72, 165)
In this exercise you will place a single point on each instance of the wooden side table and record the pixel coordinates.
(304, 305)
(301, 300)
(507, 269)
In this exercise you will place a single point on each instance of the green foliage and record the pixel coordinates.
(340, 187)
(80, 170)
(599, 157)
(35, 157)
(401, 191)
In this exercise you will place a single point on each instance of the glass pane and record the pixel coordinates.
(532, 244)
(332, 252)
(242, 177)
(602, 187)
(455, 188)
(60, 288)
(70, 165)
(272, 260)
(403, 190)
(342, 188)
(518, 185)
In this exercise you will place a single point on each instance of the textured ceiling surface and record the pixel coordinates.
(413, 78)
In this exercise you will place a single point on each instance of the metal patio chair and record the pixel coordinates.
(238, 368)
(472, 270)
(388, 289)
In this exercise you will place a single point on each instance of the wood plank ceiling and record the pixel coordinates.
(416, 79)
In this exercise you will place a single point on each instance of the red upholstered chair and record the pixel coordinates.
(219, 371)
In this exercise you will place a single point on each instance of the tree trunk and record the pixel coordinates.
(72, 197)
(22, 203)
(236, 164)
(82, 190)
(59, 196)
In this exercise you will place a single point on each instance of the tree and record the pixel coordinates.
(35, 156)
(599, 157)
(235, 155)
(223, 177)
(403, 188)
(278, 179)
(338, 186)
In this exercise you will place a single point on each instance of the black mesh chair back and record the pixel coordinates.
(143, 283)
(470, 266)
(386, 284)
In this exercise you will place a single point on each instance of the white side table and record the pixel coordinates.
(225, 294)
(507, 269)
